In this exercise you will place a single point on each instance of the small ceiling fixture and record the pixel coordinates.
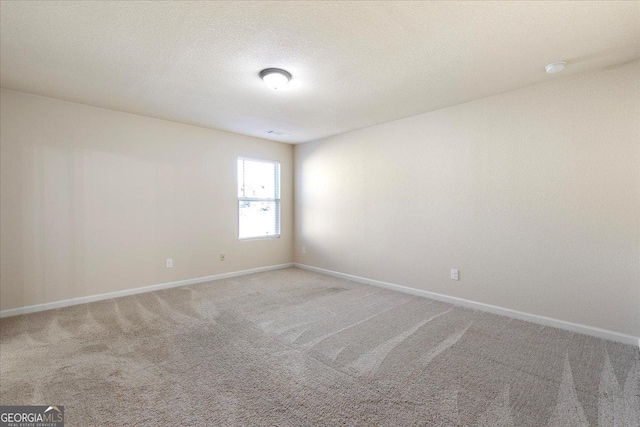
(275, 77)
(555, 67)
(277, 133)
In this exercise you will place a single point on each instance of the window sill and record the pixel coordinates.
(275, 236)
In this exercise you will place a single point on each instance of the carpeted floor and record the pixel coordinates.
(295, 348)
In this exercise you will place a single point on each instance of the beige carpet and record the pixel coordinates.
(294, 348)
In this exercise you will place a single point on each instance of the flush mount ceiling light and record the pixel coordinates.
(275, 77)
(555, 67)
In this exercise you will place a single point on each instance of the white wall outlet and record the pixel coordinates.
(454, 274)
(304, 249)
(169, 263)
(222, 257)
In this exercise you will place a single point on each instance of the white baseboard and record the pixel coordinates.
(117, 294)
(542, 320)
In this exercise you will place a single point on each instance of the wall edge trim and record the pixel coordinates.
(117, 294)
(534, 318)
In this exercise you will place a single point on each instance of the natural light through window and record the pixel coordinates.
(258, 198)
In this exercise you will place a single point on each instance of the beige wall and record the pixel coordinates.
(533, 194)
(94, 201)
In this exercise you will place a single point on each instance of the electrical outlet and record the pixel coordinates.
(454, 274)
(222, 257)
(169, 263)
(304, 249)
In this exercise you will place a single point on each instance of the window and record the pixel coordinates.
(258, 198)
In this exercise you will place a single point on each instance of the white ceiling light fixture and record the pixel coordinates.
(275, 77)
(555, 67)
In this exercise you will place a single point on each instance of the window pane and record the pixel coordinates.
(259, 219)
(258, 179)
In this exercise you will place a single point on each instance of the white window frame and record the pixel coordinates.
(276, 199)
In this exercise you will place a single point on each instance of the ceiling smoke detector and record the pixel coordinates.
(275, 78)
(555, 67)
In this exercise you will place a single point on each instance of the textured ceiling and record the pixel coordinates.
(354, 64)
